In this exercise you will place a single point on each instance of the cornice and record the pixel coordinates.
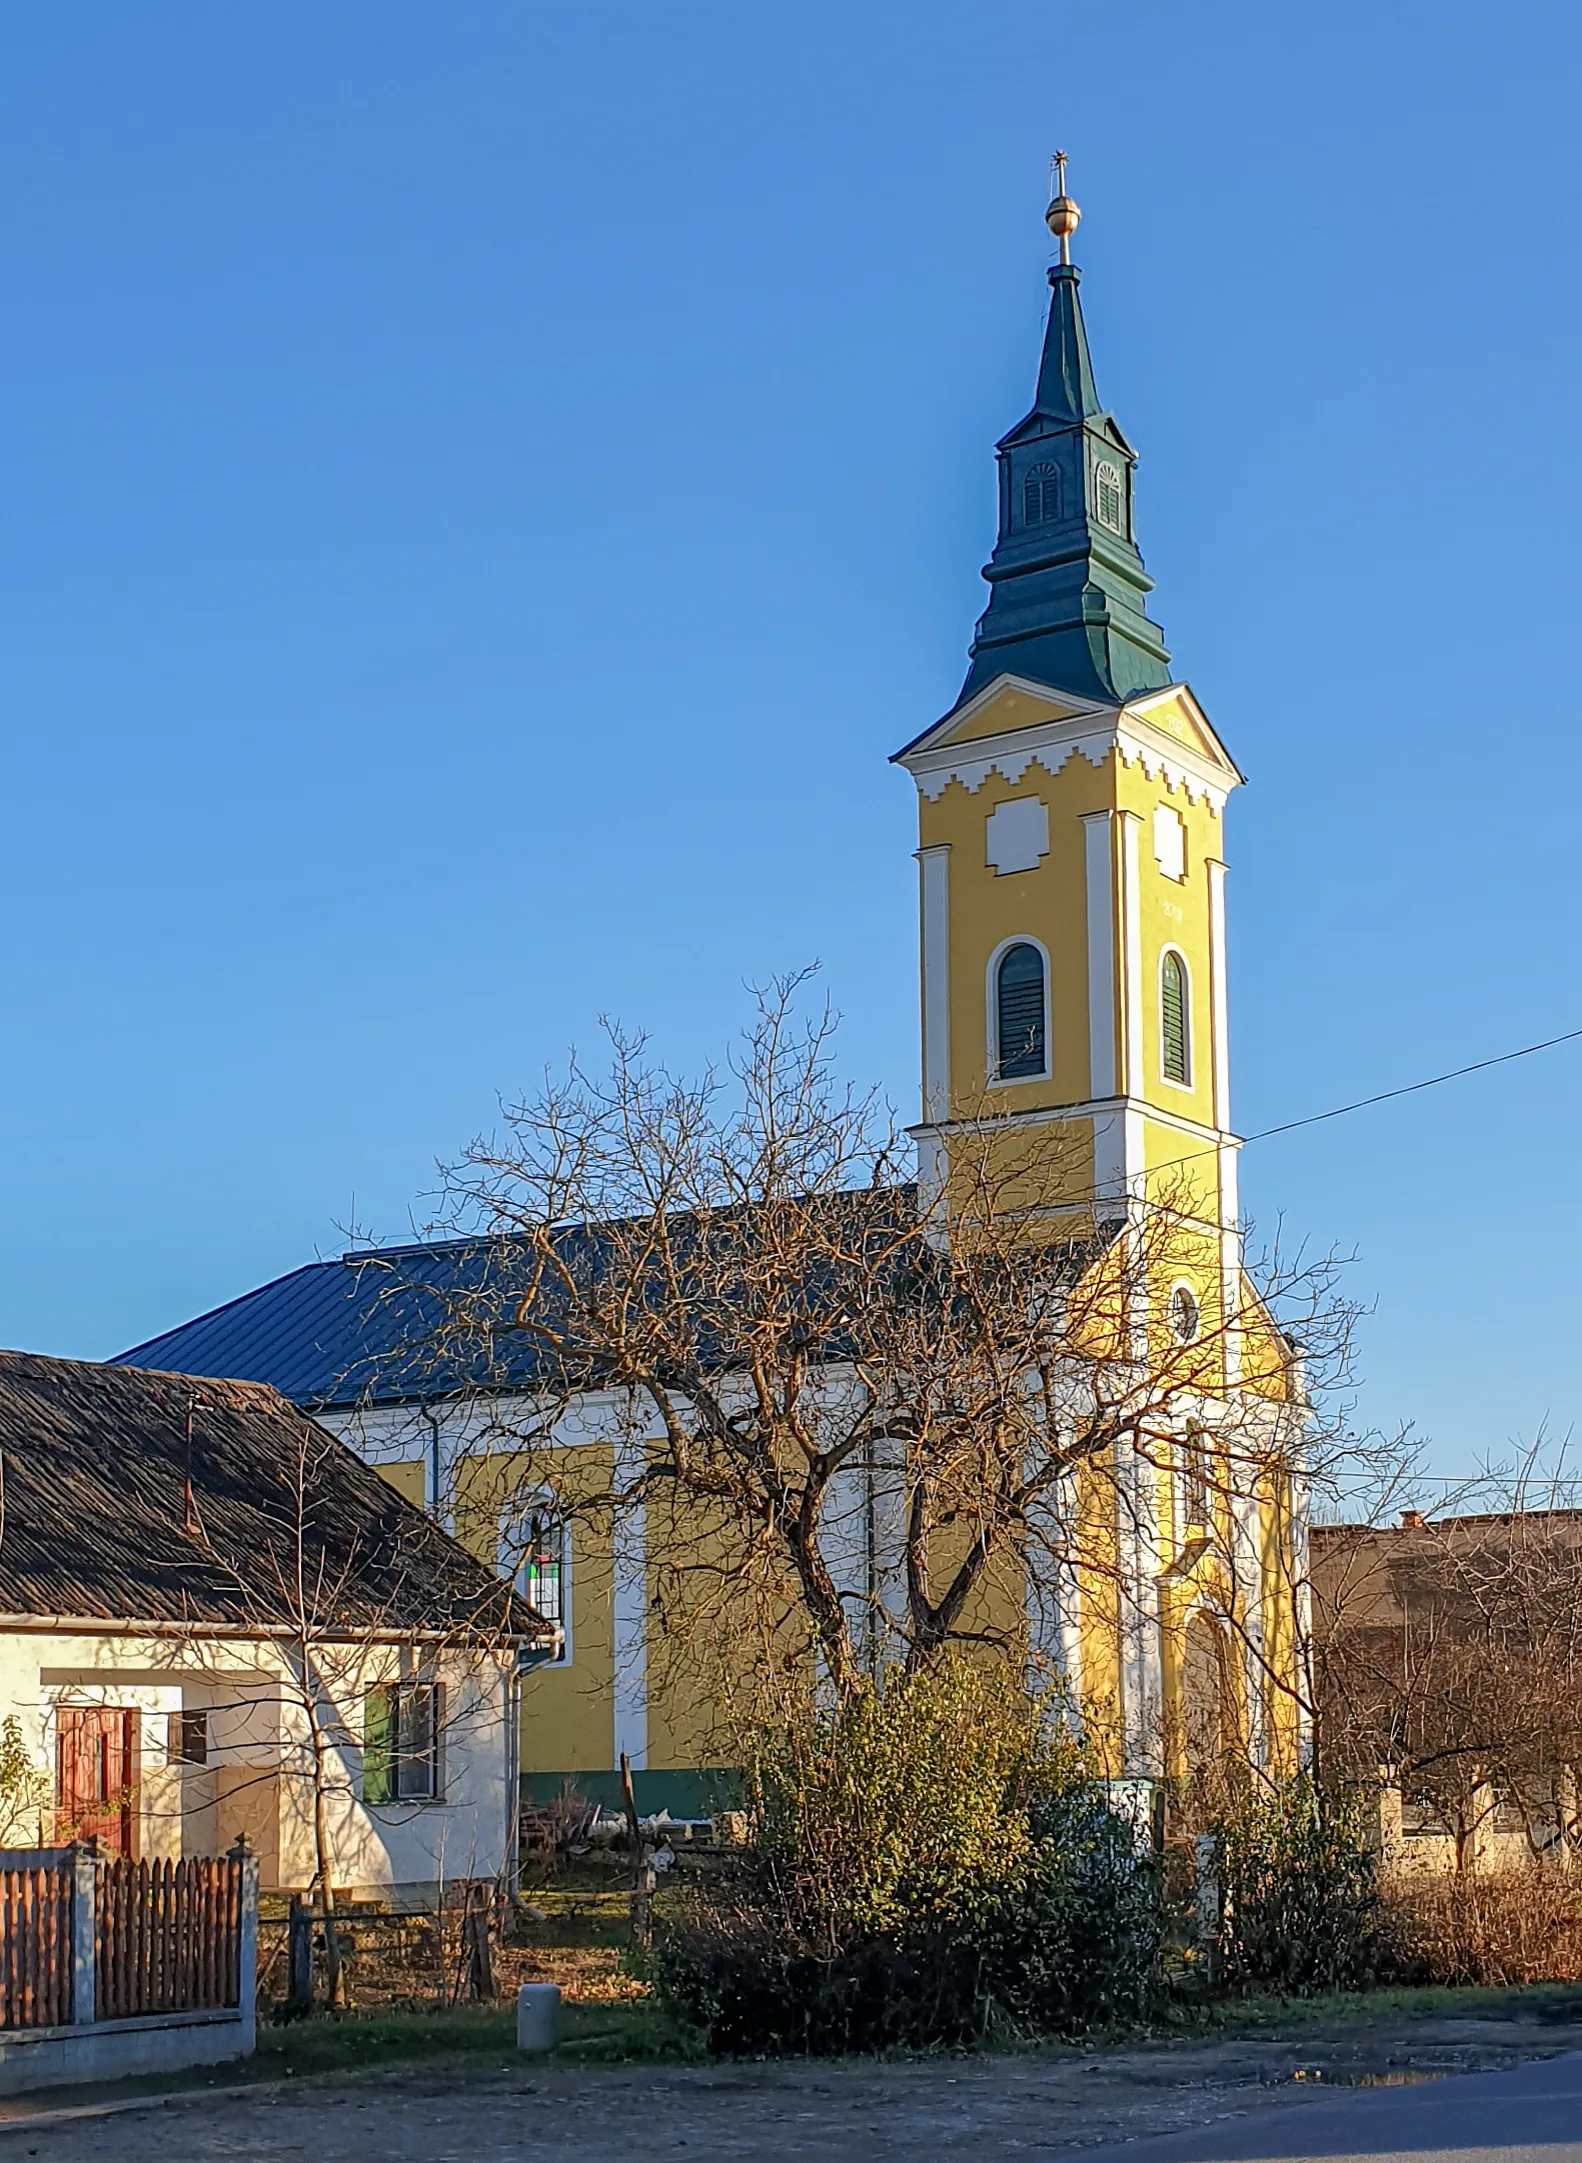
(1054, 743)
(1084, 1108)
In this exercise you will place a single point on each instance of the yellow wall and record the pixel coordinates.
(409, 1478)
(567, 1711)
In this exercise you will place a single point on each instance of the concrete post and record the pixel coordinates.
(1210, 1904)
(84, 1979)
(247, 1950)
(538, 2016)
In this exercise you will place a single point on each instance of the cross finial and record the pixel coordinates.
(1062, 217)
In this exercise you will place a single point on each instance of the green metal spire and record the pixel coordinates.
(1067, 605)
(1066, 389)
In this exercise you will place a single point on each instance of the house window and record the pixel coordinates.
(187, 1740)
(535, 1553)
(1019, 1013)
(402, 1724)
(1174, 1018)
(1107, 479)
(1040, 496)
(1422, 1819)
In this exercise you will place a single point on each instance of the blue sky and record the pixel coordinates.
(485, 488)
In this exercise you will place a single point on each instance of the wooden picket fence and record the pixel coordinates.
(168, 1936)
(35, 1946)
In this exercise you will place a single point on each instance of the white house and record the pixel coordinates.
(214, 1619)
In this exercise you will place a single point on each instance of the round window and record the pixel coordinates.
(1184, 1317)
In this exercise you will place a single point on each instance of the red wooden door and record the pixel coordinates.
(96, 1776)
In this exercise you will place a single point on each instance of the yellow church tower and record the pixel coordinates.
(1075, 1006)
(1071, 809)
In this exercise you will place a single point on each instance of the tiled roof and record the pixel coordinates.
(166, 1498)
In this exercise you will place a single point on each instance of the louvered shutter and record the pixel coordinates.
(1173, 1018)
(379, 1745)
(1041, 496)
(1019, 1019)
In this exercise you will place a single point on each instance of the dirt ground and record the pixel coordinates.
(1036, 2104)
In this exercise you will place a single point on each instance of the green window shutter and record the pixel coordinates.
(379, 1745)
(1019, 1013)
(1173, 1018)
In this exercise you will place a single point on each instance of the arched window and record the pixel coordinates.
(1195, 1509)
(1107, 479)
(1041, 496)
(1175, 1018)
(1019, 1012)
(535, 1554)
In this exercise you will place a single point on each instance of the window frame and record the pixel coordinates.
(511, 1562)
(1196, 1487)
(187, 1739)
(997, 1080)
(1045, 475)
(1176, 1338)
(386, 1760)
(1107, 474)
(1184, 1080)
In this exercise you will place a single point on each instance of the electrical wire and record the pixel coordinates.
(1383, 1096)
(1408, 1089)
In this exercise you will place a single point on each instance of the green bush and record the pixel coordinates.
(1301, 1911)
(928, 1866)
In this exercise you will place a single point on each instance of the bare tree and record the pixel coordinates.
(1450, 1660)
(865, 1421)
(346, 1608)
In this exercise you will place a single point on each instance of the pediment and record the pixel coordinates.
(1001, 708)
(1174, 711)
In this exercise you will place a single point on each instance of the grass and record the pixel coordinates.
(635, 2032)
(597, 2034)
(1426, 2001)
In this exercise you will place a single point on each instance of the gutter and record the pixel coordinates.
(132, 1626)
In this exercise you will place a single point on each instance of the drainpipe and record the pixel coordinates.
(513, 1776)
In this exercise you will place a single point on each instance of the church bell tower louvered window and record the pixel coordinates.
(1019, 1012)
(1174, 1041)
(1041, 496)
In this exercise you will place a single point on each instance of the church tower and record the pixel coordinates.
(1071, 850)
(1075, 1047)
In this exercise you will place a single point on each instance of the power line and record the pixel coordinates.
(1384, 1096)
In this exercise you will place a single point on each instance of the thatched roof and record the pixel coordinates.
(170, 1499)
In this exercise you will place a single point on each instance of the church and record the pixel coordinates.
(1075, 1059)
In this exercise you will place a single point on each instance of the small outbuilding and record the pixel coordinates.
(215, 1620)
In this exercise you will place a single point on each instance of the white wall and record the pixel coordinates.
(259, 1775)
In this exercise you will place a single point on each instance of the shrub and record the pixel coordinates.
(1301, 1911)
(1513, 1926)
(927, 1865)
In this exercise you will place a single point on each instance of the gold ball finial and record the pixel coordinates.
(1062, 217)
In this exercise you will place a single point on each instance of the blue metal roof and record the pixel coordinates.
(400, 1325)
(357, 1330)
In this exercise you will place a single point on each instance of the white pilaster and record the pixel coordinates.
(631, 1609)
(1218, 1002)
(1230, 1260)
(1247, 1576)
(1053, 1596)
(1099, 846)
(1132, 952)
(934, 918)
(1142, 1666)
